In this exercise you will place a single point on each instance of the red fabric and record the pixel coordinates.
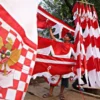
(75, 7)
(43, 42)
(43, 22)
(59, 48)
(56, 69)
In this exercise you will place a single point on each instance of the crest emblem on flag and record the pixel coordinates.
(17, 58)
(8, 57)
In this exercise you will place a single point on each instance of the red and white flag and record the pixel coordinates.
(90, 38)
(53, 59)
(18, 44)
(79, 50)
(53, 67)
(47, 20)
(79, 41)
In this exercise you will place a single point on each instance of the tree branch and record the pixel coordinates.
(68, 4)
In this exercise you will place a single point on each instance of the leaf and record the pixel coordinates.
(14, 57)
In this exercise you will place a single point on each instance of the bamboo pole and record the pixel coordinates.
(85, 2)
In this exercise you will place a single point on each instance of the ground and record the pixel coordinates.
(38, 87)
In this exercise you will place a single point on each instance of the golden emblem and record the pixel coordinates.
(7, 55)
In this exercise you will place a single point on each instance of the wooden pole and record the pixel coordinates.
(85, 2)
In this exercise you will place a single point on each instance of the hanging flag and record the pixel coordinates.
(88, 39)
(97, 39)
(79, 41)
(53, 59)
(53, 67)
(46, 20)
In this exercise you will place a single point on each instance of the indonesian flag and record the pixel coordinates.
(46, 20)
(18, 44)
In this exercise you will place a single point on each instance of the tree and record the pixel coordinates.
(62, 9)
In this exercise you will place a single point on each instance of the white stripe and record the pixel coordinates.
(44, 51)
(97, 33)
(77, 30)
(86, 32)
(0, 95)
(48, 76)
(89, 52)
(98, 75)
(54, 61)
(71, 74)
(96, 52)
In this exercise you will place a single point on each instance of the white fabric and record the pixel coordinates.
(58, 29)
(68, 55)
(24, 11)
(44, 51)
(6, 80)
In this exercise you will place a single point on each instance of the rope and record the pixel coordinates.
(80, 88)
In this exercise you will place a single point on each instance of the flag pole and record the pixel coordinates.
(85, 2)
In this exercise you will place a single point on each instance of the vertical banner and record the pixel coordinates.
(18, 45)
(86, 14)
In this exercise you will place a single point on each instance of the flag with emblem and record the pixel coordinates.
(18, 44)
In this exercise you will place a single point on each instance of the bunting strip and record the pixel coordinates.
(91, 35)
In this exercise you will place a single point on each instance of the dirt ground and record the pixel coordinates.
(38, 87)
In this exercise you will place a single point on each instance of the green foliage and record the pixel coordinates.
(59, 9)
(62, 9)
